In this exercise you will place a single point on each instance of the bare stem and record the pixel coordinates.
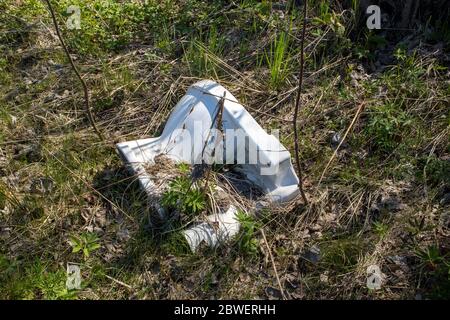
(297, 107)
(83, 83)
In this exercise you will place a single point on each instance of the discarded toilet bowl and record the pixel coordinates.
(191, 136)
(217, 229)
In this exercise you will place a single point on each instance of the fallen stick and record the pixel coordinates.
(83, 83)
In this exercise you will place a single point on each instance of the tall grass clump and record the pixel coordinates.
(277, 60)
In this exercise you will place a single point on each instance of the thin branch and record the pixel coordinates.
(297, 106)
(119, 282)
(83, 83)
(107, 276)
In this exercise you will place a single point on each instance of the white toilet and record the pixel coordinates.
(191, 135)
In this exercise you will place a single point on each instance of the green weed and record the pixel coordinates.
(182, 194)
(381, 229)
(328, 17)
(436, 267)
(434, 171)
(277, 60)
(33, 281)
(85, 243)
(386, 126)
(175, 243)
(201, 56)
(247, 242)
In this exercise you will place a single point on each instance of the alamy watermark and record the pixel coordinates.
(74, 20)
(372, 22)
(73, 281)
(374, 277)
(374, 19)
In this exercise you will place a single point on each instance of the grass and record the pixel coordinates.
(277, 60)
(61, 190)
(201, 57)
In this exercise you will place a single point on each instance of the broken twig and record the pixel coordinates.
(83, 83)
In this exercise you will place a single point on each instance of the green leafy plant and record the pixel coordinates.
(184, 195)
(361, 52)
(400, 54)
(247, 241)
(436, 267)
(165, 39)
(429, 257)
(86, 243)
(380, 228)
(33, 280)
(386, 124)
(434, 171)
(407, 77)
(416, 226)
(184, 168)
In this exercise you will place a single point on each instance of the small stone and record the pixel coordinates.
(110, 247)
(51, 97)
(123, 234)
(214, 279)
(315, 227)
(273, 293)
(392, 204)
(317, 235)
(65, 94)
(312, 254)
(5, 233)
(335, 139)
